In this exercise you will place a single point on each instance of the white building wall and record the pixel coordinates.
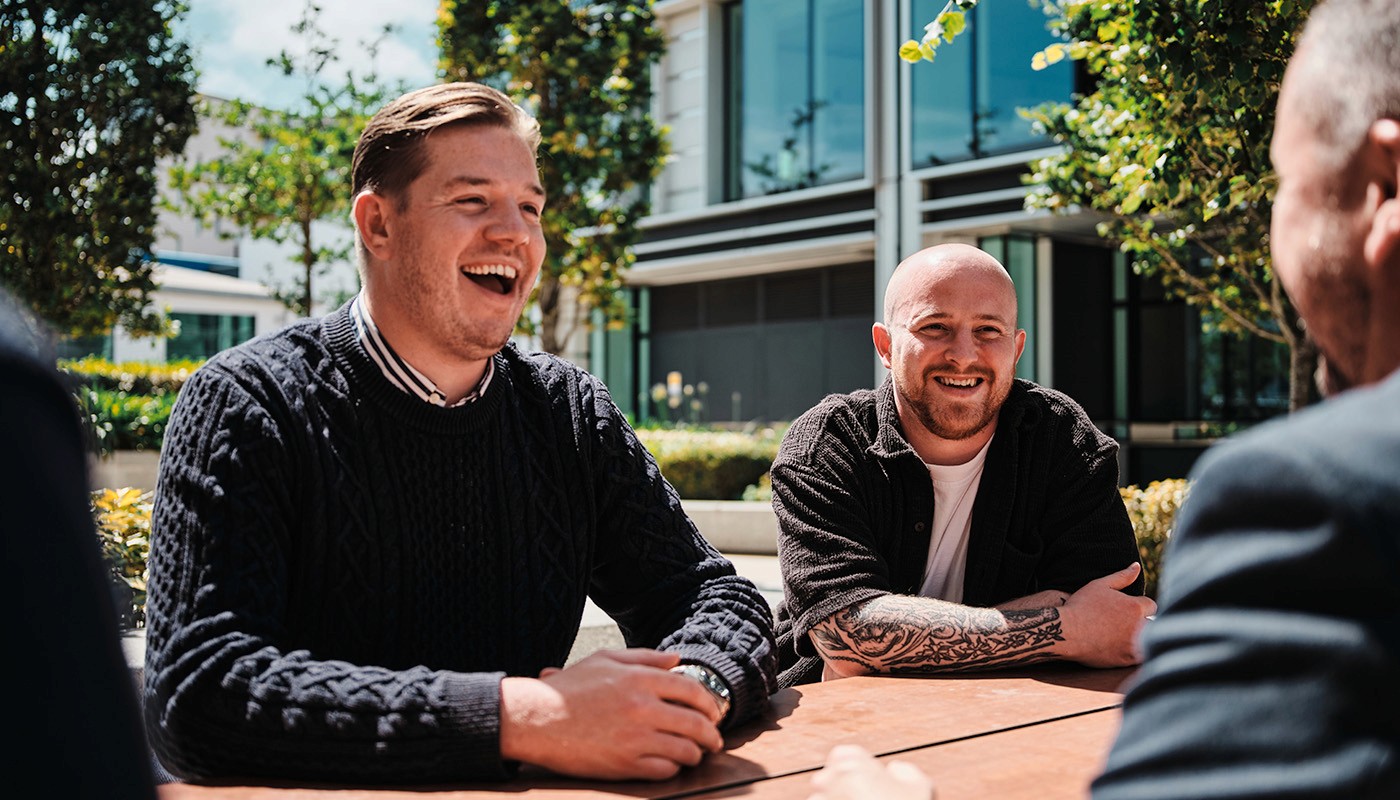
(183, 234)
(188, 291)
(684, 86)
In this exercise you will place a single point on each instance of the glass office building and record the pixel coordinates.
(808, 160)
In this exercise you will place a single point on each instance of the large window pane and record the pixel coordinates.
(838, 91)
(796, 105)
(966, 101)
(942, 104)
(203, 335)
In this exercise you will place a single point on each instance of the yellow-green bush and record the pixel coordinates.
(127, 405)
(122, 421)
(132, 377)
(711, 465)
(1152, 510)
(123, 518)
(761, 492)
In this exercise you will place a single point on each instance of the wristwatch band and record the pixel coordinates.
(712, 682)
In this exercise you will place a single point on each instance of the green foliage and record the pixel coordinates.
(126, 406)
(123, 518)
(282, 170)
(761, 492)
(584, 71)
(711, 465)
(91, 96)
(944, 28)
(1153, 513)
(1173, 148)
(124, 421)
(132, 377)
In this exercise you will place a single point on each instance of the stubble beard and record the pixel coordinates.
(1339, 312)
(955, 421)
(455, 329)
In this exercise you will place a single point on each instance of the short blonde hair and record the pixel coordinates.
(389, 155)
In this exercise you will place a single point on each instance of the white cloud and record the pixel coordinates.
(233, 39)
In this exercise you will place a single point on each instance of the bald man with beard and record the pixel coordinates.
(955, 518)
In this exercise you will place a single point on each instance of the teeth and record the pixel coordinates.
(502, 270)
(962, 383)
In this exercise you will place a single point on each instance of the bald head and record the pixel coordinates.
(950, 342)
(918, 280)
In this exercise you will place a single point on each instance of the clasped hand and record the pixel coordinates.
(615, 715)
(1102, 625)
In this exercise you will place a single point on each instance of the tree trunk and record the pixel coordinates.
(1302, 369)
(308, 260)
(554, 335)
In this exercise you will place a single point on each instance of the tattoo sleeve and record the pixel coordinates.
(908, 635)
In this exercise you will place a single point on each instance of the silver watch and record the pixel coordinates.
(712, 682)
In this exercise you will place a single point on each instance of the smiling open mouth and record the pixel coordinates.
(960, 383)
(499, 278)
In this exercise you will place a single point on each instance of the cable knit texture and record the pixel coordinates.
(854, 502)
(341, 574)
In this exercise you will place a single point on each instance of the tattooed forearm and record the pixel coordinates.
(901, 635)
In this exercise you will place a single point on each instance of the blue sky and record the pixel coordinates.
(232, 40)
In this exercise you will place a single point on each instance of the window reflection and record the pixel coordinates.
(796, 105)
(965, 103)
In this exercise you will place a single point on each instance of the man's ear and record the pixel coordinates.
(881, 335)
(1020, 345)
(371, 213)
(1382, 244)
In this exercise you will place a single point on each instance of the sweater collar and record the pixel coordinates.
(369, 382)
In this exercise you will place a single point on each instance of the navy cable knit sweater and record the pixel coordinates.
(341, 574)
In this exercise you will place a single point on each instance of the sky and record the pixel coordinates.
(232, 40)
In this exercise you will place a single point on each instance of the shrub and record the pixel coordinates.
(132, 377)
(123, 518)
(1153, 512)
(118, 420)
(711, 465)
(761, 492)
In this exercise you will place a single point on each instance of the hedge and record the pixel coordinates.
(123, 421)
(711, 465)
(125, 406)
(133, 378)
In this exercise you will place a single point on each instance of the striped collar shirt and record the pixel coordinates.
(400, 372)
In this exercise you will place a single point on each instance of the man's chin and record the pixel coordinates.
(955, 431)
(476, 348)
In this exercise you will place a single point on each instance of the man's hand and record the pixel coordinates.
(1101, 624)
(616, 715)
(851, 773)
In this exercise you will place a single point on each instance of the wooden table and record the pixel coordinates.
(1039, 734)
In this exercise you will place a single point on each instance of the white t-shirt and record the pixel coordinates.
(954, 491)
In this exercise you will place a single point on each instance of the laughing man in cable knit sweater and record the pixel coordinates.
(375, 532)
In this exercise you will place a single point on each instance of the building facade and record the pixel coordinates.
(808, 160)
(214, 280)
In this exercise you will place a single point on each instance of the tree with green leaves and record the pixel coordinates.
(281, 170)
(92, 96)
(584, 71)
(1173, 149)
